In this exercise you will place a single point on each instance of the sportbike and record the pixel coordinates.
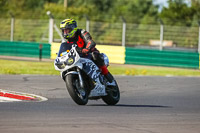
(83, 78)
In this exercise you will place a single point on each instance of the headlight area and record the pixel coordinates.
(69, 61)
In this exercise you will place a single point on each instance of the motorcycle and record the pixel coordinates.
(83, 78)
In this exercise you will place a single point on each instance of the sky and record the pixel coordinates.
(163, 3)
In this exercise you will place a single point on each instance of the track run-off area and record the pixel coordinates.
(148, 104)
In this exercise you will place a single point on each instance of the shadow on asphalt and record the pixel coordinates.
(134, 106)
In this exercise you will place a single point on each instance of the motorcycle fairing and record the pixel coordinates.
(93, 71)
(72, 59)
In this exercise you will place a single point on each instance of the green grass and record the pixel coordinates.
(153, 71)
(47, 68)
(27, 67)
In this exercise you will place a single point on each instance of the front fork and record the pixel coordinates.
(80, 78)
(77, 72)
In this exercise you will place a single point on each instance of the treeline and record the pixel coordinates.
(133, 11)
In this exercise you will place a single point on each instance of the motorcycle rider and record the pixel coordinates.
(85, 44)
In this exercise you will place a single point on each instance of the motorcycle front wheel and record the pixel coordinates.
(78, 94)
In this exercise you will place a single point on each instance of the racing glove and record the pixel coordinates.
(85, 51)
(79, 50)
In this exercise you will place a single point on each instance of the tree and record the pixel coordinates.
(178, 13)
(195, 7)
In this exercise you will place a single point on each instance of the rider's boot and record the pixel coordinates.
(105, 72)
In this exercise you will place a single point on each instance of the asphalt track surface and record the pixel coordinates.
(148, 105)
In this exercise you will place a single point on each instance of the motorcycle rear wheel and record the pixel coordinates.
(78, 94)
(113, 96)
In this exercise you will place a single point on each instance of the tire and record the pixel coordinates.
(113, 96)
(73, 87)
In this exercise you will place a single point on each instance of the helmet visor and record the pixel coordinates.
(67, 31)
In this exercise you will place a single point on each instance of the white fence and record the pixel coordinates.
(121, 33)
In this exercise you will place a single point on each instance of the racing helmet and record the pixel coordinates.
(68, 27)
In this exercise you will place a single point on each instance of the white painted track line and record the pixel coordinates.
(7, 99)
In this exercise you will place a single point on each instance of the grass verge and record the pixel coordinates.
(47, 68)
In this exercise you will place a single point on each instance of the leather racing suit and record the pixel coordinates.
(86, 45)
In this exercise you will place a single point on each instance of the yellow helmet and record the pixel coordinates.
(68, 24)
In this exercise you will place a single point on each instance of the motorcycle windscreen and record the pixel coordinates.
(64, 47)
